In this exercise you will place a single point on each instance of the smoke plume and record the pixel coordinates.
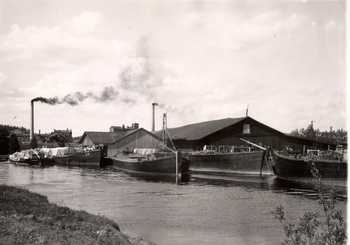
(141, 76)
(174, 109)
(107, 94)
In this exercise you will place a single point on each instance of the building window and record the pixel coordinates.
(246, 128)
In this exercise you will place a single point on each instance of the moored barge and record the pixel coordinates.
(86, 159)
(303, 167)
(225, 160)
(235, 162)
(151, 164)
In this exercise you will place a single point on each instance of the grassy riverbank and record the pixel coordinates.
(28, 218)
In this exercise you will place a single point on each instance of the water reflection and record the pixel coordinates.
(272, 183)
(202, 210)
(151, 177)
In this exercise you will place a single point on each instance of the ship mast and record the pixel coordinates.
(164, 129)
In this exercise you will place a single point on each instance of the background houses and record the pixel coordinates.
(90, 138)
(120, 139)
(106, 138)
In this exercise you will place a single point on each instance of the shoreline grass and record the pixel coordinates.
(28, 218)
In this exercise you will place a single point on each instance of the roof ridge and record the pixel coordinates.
(202, 129)
(215, 120)
(134, 131)
(97, 132)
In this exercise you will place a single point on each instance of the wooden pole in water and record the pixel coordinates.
(177, 167)
(263, 161)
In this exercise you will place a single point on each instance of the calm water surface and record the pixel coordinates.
(234, 210)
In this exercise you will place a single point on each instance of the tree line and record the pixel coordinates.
(333, 135)
(9, 141)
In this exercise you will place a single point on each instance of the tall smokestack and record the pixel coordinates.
(31, 120)
(153, 115)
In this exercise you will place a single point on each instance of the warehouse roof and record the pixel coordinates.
(103, 137)
(200, 130)
(131, 132)
(197, 131)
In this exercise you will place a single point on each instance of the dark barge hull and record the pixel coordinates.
(288, 167)
(236, 162)
(34, 162)
(86, 159)
(162, 166)
(4, 158)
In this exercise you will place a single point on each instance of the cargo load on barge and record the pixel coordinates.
(328, 164)
(68, 156)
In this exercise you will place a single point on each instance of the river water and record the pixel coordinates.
(230, 210)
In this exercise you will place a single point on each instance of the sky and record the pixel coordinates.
(200, 60)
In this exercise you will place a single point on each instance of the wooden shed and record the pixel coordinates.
(100, 138)
(139, 138)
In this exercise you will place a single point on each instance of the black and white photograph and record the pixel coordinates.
(168, 122)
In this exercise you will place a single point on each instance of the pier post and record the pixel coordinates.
(177, 167)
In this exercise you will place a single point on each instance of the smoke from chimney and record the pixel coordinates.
(108, 94)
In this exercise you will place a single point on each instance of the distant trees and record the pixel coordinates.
(8, 142)
(13, 144)
(60, 137)
(56, 138)
(339, 135)
(10, 128)
(33, 143)
(4, 141)
(12, 137)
